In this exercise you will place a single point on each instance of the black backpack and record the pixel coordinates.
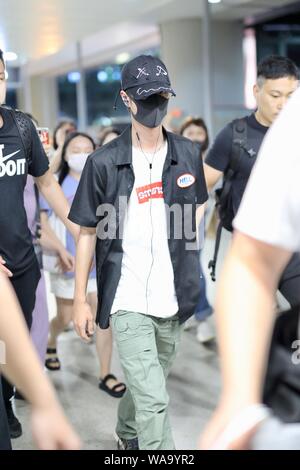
(224, 203)
(24, 127)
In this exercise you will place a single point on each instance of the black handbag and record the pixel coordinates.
(282, 382)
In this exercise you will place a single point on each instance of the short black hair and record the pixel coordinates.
(191, 120)
(276, 66)
(2, 57)
(199, 122)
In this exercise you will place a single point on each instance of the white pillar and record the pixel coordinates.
(228, 72)
(38, 96)
(81, 92)
(205, 63)
(207, 67)
(25, 95)
(182, 53)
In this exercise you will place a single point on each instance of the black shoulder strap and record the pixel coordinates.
(213, 263)
(239, 144)
(24, 129)
(37, 216)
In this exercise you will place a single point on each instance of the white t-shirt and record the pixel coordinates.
(270, 209)
(147, 278)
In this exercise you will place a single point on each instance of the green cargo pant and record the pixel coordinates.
(147, 348)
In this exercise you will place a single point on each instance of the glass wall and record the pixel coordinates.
(279, 36)
(13, 83)
(11, 98)
(66, 88)
(102, 89)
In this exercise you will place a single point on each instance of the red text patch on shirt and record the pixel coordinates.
(150, 191)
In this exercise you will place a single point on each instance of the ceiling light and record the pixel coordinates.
(122, 58)
(214, 1)
(74, 77)
(102, 76)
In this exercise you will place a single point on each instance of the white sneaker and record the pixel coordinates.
(205, 332)
(190, 323)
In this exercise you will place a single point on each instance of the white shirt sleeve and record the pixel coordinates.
(270, 209)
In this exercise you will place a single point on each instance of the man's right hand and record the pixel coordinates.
(83, 319)
(3, 268)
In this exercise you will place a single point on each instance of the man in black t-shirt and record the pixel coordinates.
(17, 257)
(277, 79)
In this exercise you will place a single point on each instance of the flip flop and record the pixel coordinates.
(113, 392)
(52, 362)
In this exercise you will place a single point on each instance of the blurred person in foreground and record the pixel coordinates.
(50, 428)
(22, 153)
(267, 234)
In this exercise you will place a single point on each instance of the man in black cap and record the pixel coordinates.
(147, 272)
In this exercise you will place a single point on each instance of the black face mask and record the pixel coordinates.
(150, 112)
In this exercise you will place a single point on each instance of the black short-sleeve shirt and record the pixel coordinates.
(15, 238)
(108, 176)
(219, 155)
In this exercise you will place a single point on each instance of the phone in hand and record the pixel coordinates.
(43, 133)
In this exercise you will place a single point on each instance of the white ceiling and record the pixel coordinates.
(36, 28)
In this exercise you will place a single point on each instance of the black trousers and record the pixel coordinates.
(25, 287)
(289, 284)
(4, 433)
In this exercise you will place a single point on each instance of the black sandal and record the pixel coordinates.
(52, 362)
(113, 392)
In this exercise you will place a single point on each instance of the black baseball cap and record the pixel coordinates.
(145, 76)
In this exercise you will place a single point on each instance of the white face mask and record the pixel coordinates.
(76, 161)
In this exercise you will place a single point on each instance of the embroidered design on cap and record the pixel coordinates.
(140, 91)
(185, 180)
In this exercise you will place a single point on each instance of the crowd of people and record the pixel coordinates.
(95, 217)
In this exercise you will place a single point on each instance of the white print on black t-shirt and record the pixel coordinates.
(11, 167)
(150, 191)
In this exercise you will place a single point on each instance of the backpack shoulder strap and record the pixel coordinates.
(25, 131)
(213, 263)
(24, 128)
(239, 142)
